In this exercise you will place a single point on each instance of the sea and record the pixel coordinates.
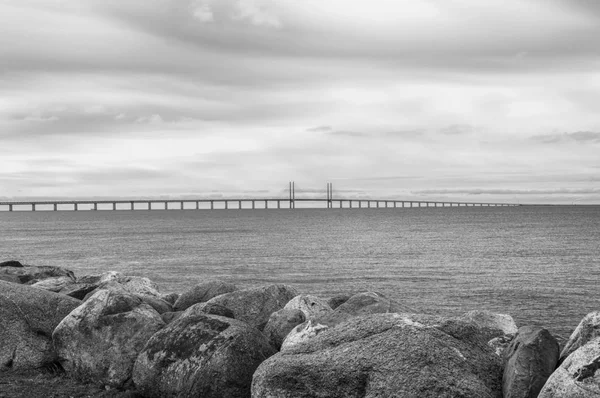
(540, 264)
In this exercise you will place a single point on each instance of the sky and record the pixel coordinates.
(471, 100)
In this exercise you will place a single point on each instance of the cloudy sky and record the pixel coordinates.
(495, 100)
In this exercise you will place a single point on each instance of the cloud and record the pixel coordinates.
(557, 191)
(319, 129)
(577, 136)
(344, 133)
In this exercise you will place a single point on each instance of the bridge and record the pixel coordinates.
(234, 203)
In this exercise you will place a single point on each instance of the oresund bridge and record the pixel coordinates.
(233, 203)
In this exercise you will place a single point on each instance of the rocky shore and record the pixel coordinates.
(116, 335)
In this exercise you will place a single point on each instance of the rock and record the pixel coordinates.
(27, 318)
(169, 317)
(588, 329)
(31, 274)
(255, 306)
(577, 376)
(78, 290)
(281, 323)
(209, 308)
(159, 305)
(201, 356)
(529, 360)
(140, 285)
(496, 324)
(55, 284)
(170, 298)
(370, 303)
(384, 355)
(311, 306)
(11, 263)
(301, 334)
(500, 344)
(338, 300)
(359, 304)
(98, 279)
(202, 293)
(100, 340)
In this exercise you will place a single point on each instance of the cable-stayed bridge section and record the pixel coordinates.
(232, 203)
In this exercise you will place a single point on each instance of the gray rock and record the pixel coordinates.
(500, 344)
(170, 298)
(577, 376)
(202, 293)
(338, 300)
(281, 323)
(27, 318)
(311, 306)
(99, 341)
(30, 274)
(384, 355)
(78, 290)
(55, 284)
(359, 304)
(255, 306)
(201, 356)
(160, 305)
(529, 360)
(209, 308)
(370, 303)
(588, 329)
(496, 324)
(11, 263)
(169, 317)
(98, 279)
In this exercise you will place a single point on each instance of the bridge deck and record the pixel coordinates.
(331, 202)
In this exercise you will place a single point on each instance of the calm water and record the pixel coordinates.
(539, 264)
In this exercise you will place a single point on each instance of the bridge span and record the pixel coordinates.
(232, 203)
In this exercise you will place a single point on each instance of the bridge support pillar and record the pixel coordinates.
(181, 207)
(212, 204)
(279, 204)
(55, 207)
(240, 204)
(226, 205)
(95, 206)
(132, 205)
(350, 204)
(253, 205)
(266, 204)
(360, 204)
(33, 207)
(114, 206)
(197, 205)
(10, 207)
(75, 207)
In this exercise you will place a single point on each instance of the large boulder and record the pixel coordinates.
(11, 263)
(131, 284)
(100, 340)
(311, 306)
(359, 304)
(55, 284)
(78, 290)
(28, 317)
(30, 274)
(495, 324)
(385, 355)
(201, 356)
(338, 300)
(529, 360)
(281, 323)
(588, 329)
(209, 308)
(202, 293)
(255, 306)
(577, 376)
